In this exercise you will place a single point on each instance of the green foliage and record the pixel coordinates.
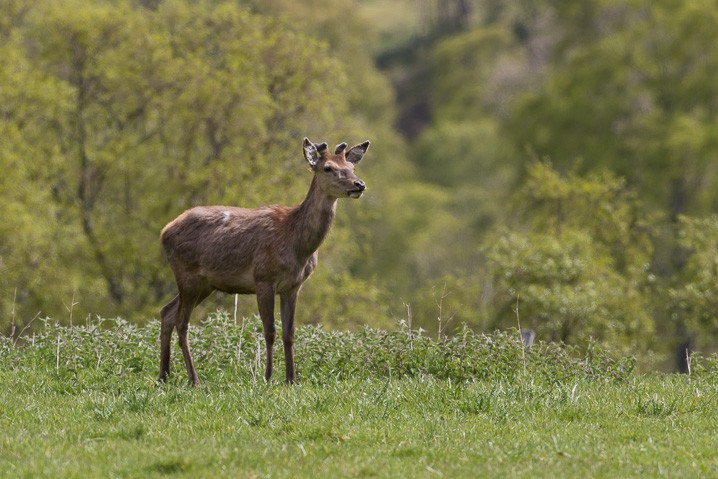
(579, 272)
(116, 118)
(465, 69)
(620, 97)
(413, 220)
(599, 203)
(631, 91)
(337, 300)
(450, 303)
(566, 292)
(368, 92)
(463, 153)
(692, 297)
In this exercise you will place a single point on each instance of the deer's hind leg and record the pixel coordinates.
(188, 299)
(168, 318)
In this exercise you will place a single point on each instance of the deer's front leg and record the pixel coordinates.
(265, 302)
(288, 304)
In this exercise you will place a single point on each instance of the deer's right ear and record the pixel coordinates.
(310, 153)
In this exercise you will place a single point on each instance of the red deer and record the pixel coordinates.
(264, 251)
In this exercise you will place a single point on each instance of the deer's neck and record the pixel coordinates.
(312, 219)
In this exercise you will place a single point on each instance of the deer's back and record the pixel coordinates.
(213, 229)
(228, 246)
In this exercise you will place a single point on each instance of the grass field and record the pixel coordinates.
(81, 402)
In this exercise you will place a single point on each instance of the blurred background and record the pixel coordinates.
(537, 161)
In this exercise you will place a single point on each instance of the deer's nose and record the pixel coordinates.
(361, 186)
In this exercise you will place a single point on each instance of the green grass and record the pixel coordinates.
(370, 404)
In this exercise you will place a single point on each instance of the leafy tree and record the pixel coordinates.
(631, 90)
(368, 91)
(119, 117)
(32, 231)
(467, 82)
(579, 270)
(692, 298)
(463, 161)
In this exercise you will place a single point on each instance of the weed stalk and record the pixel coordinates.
(521, 340)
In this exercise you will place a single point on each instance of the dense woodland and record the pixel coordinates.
(547, 162)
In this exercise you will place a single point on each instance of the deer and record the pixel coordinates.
(265, 251)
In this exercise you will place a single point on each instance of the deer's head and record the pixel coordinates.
(335, 172)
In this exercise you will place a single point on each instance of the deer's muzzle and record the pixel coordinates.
(360, 187)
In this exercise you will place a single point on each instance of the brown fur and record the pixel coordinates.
(264, 251)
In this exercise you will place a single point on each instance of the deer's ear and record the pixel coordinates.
(356, 152)
(310, 153)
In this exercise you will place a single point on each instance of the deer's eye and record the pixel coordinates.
(328, 168)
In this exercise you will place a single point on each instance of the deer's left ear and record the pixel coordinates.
(356, 152)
